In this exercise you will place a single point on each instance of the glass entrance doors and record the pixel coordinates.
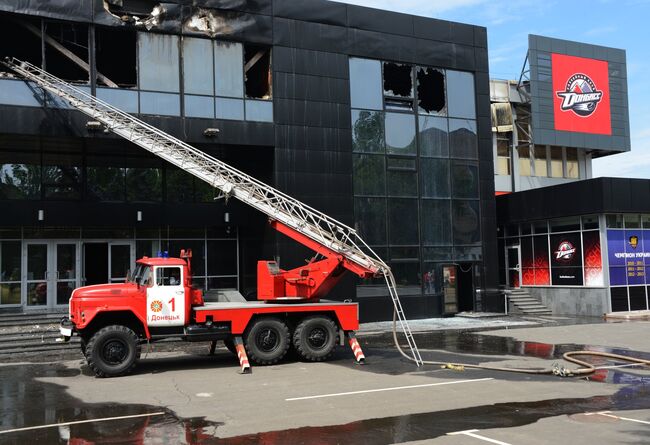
(51, 272)
(513, 261)
(107, 261)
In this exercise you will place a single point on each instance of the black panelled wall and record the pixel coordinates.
(311, 137)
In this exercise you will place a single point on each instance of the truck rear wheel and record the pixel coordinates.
(315, 338)
(113, 351)
(267, 341)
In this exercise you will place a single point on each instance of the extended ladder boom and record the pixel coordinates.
(231, 182)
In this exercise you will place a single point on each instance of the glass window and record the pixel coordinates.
(228, 69)
(645, 219)
(401, 182)
(464, 179)
(565, 224)
(402, 221)
(105, 181)
(197, 66)
(398, 80)
(10, 259)
(179, 185)
(434, 178)
(463, 142)
(230, 109)
(556, 162)
(614, 221)
(259, 110)
(199, 106)
(17, 92)
(466, 222)
(431, 91)
(366, 84)
(367, 131)
(407, 277)
(540, 227)
(524, 161)
(370, 219)
(20, 175)
(125, 100)
(158, 67)
(160, 103)
(61, 172)
(168, 276)
(503, 156)
(632, 221)
(144, 184)
(400, 133)
(525, 229)
(198, 253)
(572, 169)
(590, 222)
(436, 223)
(222, 257)
(541, 168)
(460, 94)
(433, 137)
(369, 175)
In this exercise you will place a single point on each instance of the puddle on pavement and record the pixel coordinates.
(33, 402)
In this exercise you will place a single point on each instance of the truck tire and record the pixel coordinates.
(113, 351)
(267, 341)
(315, 338)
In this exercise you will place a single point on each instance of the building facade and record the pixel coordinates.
(379, 119)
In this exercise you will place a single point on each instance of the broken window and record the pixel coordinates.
(398, 86)
(17, 41)
(257, 72)
(431, 91)
(115, 52)
(66, 50)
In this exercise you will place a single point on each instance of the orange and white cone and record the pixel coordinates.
(358, 353)
(241, 355)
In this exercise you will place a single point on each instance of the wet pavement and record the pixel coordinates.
(62, 393)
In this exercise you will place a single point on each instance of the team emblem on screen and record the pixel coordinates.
(634, 241)
(565, 251)
(581, 95)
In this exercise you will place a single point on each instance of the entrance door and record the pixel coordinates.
(513, 260)
(107, 262)
(119, 261)
(449, 290)
(51, 269)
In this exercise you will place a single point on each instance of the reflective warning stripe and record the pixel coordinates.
(241, 355)
(356, 349)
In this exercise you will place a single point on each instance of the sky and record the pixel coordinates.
(616, 23)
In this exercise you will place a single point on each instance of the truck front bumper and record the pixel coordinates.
(66, 327)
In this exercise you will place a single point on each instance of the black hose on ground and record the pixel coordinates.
(585, 369)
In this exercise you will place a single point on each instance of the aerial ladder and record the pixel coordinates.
(295, 219)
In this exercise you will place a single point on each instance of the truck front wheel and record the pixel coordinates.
(315, 338)
(267, 341)
(113, 351)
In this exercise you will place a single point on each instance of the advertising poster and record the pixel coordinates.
(581, 102)
(629, 256)
(566, 259)
(592, 259)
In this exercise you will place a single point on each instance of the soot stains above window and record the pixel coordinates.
(431, 90)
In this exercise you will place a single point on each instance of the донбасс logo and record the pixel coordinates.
(565, 251)
(581, 95)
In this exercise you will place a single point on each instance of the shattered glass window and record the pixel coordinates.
(365, 84)
(228, 71)
(158, 62)
(257, 72)
(398, 86)
(197, 61)
(431, 91)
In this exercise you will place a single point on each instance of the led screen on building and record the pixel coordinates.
(578, 95)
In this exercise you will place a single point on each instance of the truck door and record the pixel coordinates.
(166, 298)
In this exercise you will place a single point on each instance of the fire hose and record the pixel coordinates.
(585, 368)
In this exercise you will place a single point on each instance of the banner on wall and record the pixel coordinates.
(629, 256)
(566, 259)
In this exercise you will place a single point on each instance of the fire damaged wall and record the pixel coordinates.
(295, 53)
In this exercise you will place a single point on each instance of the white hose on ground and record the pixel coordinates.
(585, 369)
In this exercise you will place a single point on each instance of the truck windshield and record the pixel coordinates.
(141, 275)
